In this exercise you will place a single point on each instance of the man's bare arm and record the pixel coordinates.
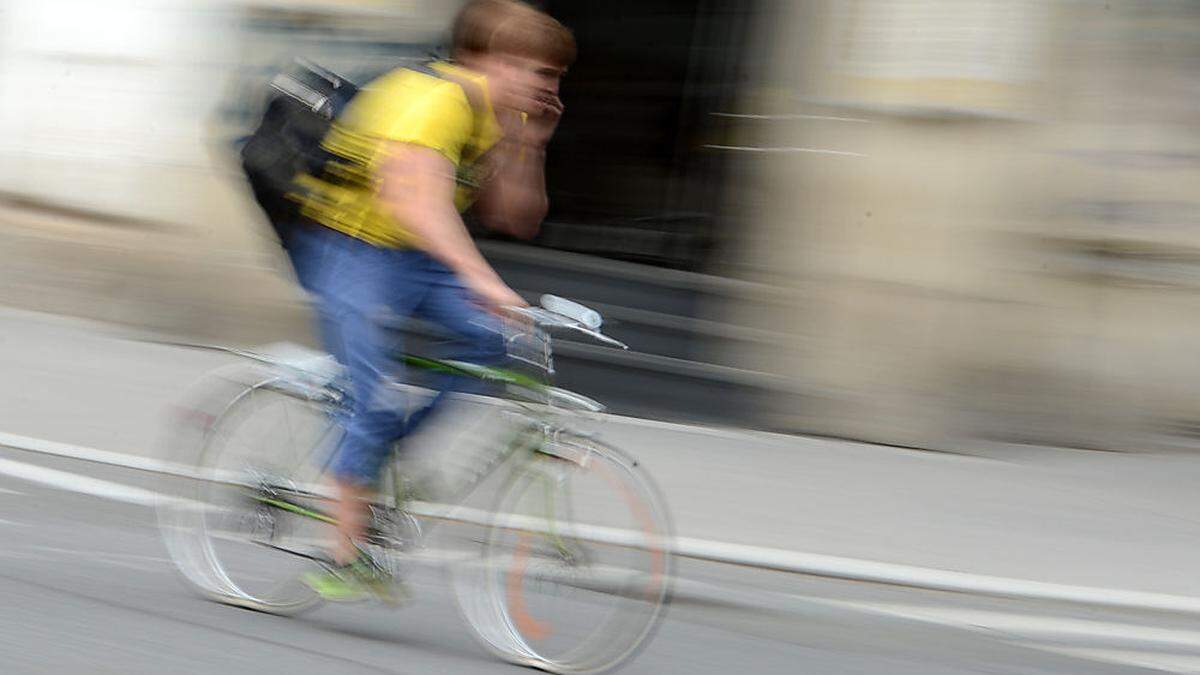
(515, 202)
(418, 190)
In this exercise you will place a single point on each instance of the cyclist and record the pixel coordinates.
(414, 149)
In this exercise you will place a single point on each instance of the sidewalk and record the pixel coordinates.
(1081, 518)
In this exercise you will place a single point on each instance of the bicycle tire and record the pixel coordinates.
(492, 592)
(201, 429)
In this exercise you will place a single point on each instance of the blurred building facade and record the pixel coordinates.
(986, 211)
(924, 222)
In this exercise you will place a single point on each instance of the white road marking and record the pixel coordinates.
(1165, 649)
(88, 454)
(1165, 662)
(74, 482)
(135, 561)
(13, 523)
(1035, 627)
(780, 560)
(6, 491)
(108, 554)
(1027, 627)
(20, 554)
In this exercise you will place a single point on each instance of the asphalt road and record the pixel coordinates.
(87, 587)
(1125, 521)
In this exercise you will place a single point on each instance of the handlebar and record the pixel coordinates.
(570, 316)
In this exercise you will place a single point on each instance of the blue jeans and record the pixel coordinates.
(359, 287)
(310, 248)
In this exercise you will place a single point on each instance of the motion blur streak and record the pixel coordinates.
(876, 227)
(1000, 254)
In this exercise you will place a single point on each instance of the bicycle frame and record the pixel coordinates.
(529, 438)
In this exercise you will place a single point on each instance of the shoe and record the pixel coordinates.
(358, 580)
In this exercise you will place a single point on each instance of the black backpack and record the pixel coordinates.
(301, 107)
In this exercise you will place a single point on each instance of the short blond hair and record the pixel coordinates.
(512, 27)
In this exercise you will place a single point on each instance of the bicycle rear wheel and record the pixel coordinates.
(228, 542)
(575, 570)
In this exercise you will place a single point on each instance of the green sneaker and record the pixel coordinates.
(358, 580)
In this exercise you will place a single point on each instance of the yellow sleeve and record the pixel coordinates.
(439, 118)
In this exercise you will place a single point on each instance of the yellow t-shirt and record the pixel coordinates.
(404, 106)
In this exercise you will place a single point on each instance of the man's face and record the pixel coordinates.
(521, 83)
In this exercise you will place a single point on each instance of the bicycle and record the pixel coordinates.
(571, 568)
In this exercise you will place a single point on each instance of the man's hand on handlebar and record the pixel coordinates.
(495, 295)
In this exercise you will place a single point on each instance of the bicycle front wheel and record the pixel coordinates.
(575, 569)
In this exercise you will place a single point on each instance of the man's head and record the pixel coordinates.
(521, 50)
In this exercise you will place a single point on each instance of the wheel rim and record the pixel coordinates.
(578, 600)
(265, 437)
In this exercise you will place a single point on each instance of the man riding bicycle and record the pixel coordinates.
(414, 149)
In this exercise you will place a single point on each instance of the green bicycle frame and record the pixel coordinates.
(527, 438)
